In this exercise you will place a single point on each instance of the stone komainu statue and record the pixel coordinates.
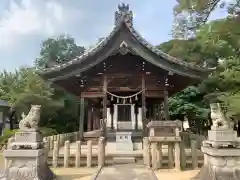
(218, 116)
(30, 122)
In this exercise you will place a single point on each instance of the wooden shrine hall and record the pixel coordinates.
(124, 80)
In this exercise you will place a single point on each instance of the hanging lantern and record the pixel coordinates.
(112, 98)
(124, 100)
(117, 100)
(130, 100)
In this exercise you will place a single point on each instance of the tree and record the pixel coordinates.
(58, 50)
(217, 45)
(24, 87)
(227, 87)
(188, 104)
(187, 50)
(200, 10)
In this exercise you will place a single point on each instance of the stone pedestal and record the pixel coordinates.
(124, 144)
(124, 141)
(29, 160)
(221, 156)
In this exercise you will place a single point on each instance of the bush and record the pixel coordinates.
(6, 135)
(48, 131)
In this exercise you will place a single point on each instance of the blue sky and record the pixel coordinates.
(25, 23)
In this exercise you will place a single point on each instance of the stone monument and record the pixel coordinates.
(26, 158)
(221, 149)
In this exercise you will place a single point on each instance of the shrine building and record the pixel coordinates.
(123, 81)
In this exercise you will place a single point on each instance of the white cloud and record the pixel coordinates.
(29, 18)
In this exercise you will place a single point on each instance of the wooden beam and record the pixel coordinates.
(154, 94)
(92, 94)
(96, 89)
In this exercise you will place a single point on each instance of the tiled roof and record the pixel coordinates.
(100, 45)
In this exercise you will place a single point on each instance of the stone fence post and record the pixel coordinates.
(55, 154)
(154, 155)
(146, 152)
(101, 151)
(89, 153)
(194, 154)
(170, 155)
(78, 154)
(66, 154)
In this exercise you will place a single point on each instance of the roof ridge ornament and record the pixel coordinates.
(124, 14)
(123, 48)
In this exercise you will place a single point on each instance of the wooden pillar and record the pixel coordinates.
(154, 112)
(104, 104)
(165, 93)
(94, 122)
(81, 118)
(136, 117)
(89, 118)
(98, 119)
(112, 112)
(144, 106)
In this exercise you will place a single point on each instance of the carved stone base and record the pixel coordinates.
(222, 135)
(220, 164)
(26, 165)
(210, 173)
(27, 140)
(31, 145)
(28, 137)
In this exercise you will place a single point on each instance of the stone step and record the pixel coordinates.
(124, 160)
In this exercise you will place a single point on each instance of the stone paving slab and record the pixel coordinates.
(126, 172)
(82, 173)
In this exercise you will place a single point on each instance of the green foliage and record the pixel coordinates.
(6, 135)
(200, 10)
(216, 45)
(48, 131)
(187, 50)
(24, 87)
(57, 50)
(188, 103)
(224, 86)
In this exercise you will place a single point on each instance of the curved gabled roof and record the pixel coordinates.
(124, 21)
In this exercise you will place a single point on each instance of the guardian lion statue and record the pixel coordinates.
(218, 117)
(30, 122)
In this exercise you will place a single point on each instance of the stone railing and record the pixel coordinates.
(61, 138)
(66, 158)
(167, 133)
(177, 156)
